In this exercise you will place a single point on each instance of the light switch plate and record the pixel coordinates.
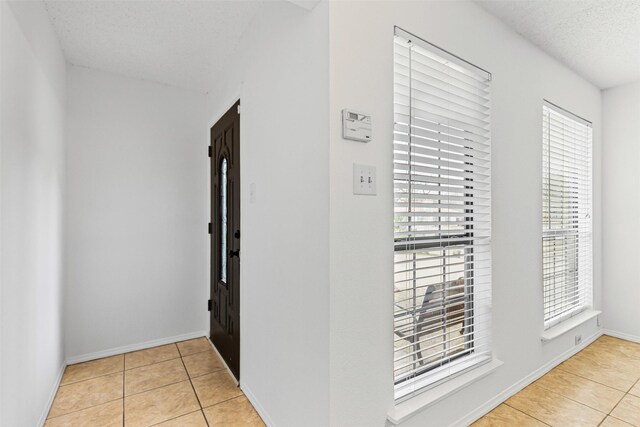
(364, 180)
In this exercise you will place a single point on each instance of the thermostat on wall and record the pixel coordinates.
(356, 126)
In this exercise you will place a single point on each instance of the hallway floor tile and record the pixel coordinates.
(184, 384)
(599, 386)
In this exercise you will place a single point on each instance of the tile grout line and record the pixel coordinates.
(583, 377)
(123, 395)
(91, 406)
(208, 373)
(175, 418)
(106, 375)
(88, 379)
(191, 354)
(633, 386)
(617, 403)
(154, 363)
(156, 388)
(614, 408)
(580, 376)
(526, 413)
(193, 388)
(195, 352)
(625, 394)
(123, 372)
(222, 401)
(175, 382)
(83, 409)
(620, 419)
(226, 400)
(623, 397)
(162, 386)
(578, 402)
(607, 415)
(179, 356)
(130, 369)
(132, 352)
(150, 389)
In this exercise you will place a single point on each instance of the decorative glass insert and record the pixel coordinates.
(223, 220)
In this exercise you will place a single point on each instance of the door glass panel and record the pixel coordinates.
(223, 220)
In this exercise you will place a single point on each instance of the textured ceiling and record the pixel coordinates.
(182, 43)
(599, 39)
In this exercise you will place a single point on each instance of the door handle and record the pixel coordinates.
(235, 253)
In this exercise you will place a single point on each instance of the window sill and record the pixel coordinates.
(568, 324)
(408, 408)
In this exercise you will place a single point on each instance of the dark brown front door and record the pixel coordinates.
(225, 237)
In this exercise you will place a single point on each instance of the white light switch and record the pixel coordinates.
(364, 179)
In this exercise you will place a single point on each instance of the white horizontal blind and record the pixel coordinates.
(442, 208)
(566, 206)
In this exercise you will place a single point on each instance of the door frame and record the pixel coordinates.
(213, 229)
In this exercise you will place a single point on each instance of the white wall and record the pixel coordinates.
(32, 84)
(361, 245)
(621, 207)
(280, 73)
(136, 219)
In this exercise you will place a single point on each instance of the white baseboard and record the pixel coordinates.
(257, 406)
(622, 335)
(52, 395)
(134, 347)
(510, 391)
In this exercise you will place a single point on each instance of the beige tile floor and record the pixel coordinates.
(599, 386)
(183, 385)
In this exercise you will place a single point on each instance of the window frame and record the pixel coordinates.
(418, 380)
(583, 293)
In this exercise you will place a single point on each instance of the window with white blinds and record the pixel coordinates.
(566, 214)
(442, 215)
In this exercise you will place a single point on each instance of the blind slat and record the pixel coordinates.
(442, 209)
(566, 238)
